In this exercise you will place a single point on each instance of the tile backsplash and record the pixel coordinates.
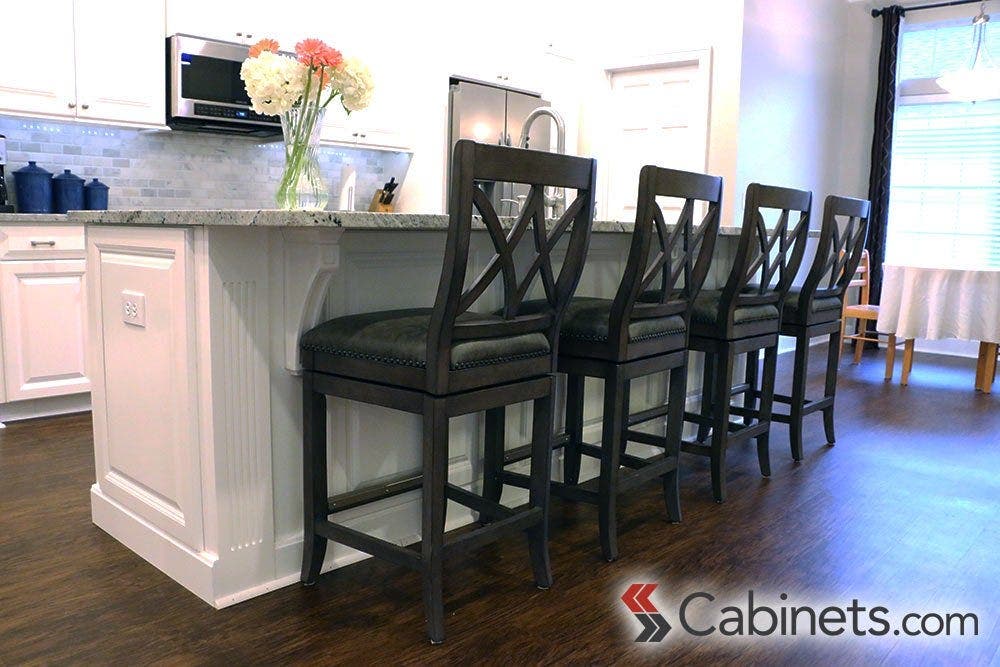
(149, 169)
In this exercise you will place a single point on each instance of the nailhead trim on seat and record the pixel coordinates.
(413, 363)
(636, 339)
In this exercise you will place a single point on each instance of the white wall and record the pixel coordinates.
(796, 123)
(635, 29)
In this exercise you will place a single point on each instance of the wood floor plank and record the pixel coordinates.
(902, 511)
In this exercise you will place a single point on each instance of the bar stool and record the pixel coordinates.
(620, 339)
(811, 310)
(744, 318)
(446, 361)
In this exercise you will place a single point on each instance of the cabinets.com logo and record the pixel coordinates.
(700, 615)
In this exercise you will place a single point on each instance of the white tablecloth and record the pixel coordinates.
(935, 303)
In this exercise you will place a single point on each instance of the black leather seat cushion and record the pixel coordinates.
(399, 337)
(706, 309)
(826, 308)
(587, 318)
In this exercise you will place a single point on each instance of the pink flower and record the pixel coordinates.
(266, 44)
(316, 53)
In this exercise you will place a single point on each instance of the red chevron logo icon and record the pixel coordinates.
(654, 626)
(636, 598)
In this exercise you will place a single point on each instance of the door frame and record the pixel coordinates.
(701, 58)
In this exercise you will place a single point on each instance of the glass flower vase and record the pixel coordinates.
(302, 186)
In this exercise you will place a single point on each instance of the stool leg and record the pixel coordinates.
(493, 453)
(676, 396)
(708, 377)
(626, 391)
(611, 435)
(799, 373)
(435, 469)
(859, 345)
(314, 501)
(723, 382)
(766, 405)
(750, 397)
(832, 359)
(538, 493)
(575, 385)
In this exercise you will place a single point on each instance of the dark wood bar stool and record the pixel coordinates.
(446, 361)
(744, 318)
(812, 310)
(620, 339)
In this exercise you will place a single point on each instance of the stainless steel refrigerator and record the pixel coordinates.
(493, 114)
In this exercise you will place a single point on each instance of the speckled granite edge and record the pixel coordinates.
(361, 220)
(276, 218)
(33, 218)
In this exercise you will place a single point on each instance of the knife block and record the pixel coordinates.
(378, 207)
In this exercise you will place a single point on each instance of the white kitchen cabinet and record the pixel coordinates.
(43, 328)
(42, 311)
(72, 59)
(220, 20)
(37, 75)
(120, 74)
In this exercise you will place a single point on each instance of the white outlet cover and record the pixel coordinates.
(134, 308)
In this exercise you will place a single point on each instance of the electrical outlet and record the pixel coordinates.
(134, 308)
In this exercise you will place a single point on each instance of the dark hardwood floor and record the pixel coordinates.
(903, 512)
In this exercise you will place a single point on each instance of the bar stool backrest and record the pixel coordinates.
(481, 162)
(840, 248)
(767, 259)
(682, 252)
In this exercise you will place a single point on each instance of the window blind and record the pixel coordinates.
(944, 198)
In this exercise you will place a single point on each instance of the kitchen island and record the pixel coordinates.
(194, 322)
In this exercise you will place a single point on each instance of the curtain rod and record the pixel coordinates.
(878, 12)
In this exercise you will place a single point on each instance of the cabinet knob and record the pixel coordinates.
(249, 36)
(35, 244)
(72, 105)
(239, 34)
(84, 106)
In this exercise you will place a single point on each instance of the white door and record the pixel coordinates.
(37, 75)
(658, 115)
(43, 328)
(121, 73)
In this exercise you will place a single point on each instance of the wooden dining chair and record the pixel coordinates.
(863, 312)
(448, 360)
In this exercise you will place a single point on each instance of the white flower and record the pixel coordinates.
(275, 83)
(354, 81)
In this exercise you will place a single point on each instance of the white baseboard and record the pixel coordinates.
(44, 407)
(191, 569)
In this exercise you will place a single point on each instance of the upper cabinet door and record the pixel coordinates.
(121, 74)
(37, 51)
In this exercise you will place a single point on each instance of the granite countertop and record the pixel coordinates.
(34, 218)
(360, 220)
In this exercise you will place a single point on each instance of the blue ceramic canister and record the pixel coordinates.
(33, 187)
(95, 196)
(67, 192)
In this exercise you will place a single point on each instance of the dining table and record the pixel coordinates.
(939, 302)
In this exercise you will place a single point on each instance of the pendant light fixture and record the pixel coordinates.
(981, 79)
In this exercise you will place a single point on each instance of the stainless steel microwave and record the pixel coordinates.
(205, 92)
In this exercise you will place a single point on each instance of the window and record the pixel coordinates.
(944, 200)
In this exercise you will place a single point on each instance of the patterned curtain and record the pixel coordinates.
(878, 181)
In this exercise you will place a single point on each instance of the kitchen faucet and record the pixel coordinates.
(556, 197)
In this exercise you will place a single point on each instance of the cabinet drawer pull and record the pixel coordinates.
(35, 244)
